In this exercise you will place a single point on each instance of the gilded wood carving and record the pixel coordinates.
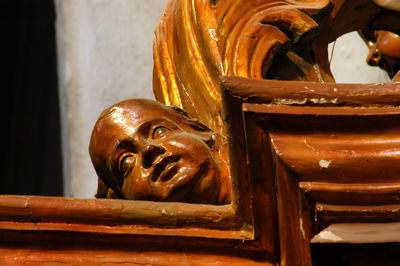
(295, 148)
(198, 41)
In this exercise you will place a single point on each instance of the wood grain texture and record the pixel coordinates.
(226, 37)
(261, 173)
(333, 148)
(40, 230)
(294, 221)
(49, 248)
(357, 213)
(110, 212)
(334, 162)
(270, 39)
(300, 93)
(342, 194)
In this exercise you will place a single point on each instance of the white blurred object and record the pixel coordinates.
(388, 4)
(349, 65)
(104, 55)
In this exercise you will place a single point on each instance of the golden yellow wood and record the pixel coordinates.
(197, 41)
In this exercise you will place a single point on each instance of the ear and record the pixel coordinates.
(210, 138)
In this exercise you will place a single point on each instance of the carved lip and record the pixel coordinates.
(182, 190)
(169, 172)
(165, 169)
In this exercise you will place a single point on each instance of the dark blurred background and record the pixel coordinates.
(32, 125)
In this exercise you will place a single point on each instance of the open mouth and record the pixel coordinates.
(166, 169)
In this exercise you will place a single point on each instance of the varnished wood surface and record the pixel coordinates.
(297, 93)
(276, 212)
(12, 256)
(226, 37)
(111, 212)
(297, 169)
(321, 111)
(335, 159)
(270, 39)
(35, 247)
(144, 150)
(343, 193)
(334, 213)
(50, 230)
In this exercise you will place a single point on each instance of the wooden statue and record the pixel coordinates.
(313, 164)
(142, 149)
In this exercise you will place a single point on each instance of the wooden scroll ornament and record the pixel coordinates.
(198, 41)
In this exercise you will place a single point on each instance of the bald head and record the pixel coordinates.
(132, 125)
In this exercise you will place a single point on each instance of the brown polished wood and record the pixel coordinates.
(144, 150)
(309, 161)
(335, 160)
(227, 37)
(295, 180)
(270, 39)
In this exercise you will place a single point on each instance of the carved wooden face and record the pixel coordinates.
(145, 150)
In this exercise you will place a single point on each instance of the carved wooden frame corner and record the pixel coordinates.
(292, 192)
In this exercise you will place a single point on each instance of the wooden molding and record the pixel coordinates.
(329, 162)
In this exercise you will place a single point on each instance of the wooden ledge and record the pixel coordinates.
(118, 217)
(311, 93)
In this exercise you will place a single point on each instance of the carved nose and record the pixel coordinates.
(150, 153)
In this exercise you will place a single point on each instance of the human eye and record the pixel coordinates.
(126, 163)
(160, 132)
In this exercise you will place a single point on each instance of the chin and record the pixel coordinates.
(206, 187)
(196, 187)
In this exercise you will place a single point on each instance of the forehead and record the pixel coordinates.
(130, 118)
(120, 118)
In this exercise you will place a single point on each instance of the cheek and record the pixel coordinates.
(197, 158)
(188, 146)
(134, 186)
(210, 180)
(177, 144)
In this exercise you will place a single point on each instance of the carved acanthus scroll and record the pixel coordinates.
(198, 41)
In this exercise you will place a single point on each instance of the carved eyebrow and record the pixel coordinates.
(126, 145)
(120, 148)
(144, 128)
